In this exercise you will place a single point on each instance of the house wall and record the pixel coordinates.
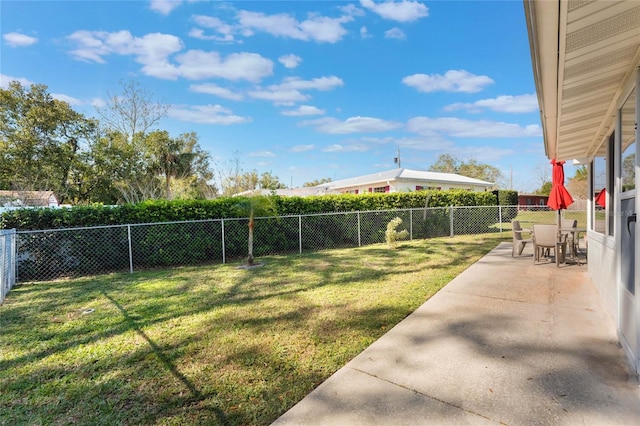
(609, 251)
(406, 186)
(532, 200)
(602, 270)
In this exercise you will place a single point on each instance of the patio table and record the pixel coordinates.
(575, 234)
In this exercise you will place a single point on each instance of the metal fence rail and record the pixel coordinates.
(7, 261)
(54, 253)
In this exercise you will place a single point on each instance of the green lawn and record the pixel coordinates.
(528, 217)
(213, 344)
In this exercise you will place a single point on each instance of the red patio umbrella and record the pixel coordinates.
(601, 198)
(559, 198)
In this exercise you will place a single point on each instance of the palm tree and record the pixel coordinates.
(252, 206)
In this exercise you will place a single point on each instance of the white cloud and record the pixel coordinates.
(6, 79)
(290, 90)
(402, 11)
(484, 154)
(304, 110)
(321, 83)
(153, 51)
(364, 33)
(164, 7)
(317, 28)
(431, 143)
(456, 127)
(261, 154)
(279, 97)
(198, 64)
(19, 40)
(346, 148)
(98, 102)
(214, 89)
(200, 35)
(301, 148)
(352, 125)
(224, 30)
(68, 99)
(351, 10)
(451, 81)
(93, 45)
(396, 33)
(511, 104)
(206, 114)
(290, 61)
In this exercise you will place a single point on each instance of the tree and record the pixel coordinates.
(545, 189)
(269, 181)
(577, 185)
(256, 205)
(132, 111)
(447, 163)
(41, 139)
(176, 158)
(249, 181)
(316, 182)
(168, 168)
(108, 162)
(480, 171)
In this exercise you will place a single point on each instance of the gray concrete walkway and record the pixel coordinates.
(506, 342)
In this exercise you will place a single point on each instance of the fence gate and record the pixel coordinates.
(7, 261)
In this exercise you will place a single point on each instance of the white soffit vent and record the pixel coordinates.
(599, 50)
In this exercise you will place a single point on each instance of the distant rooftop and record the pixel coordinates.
(406, 174)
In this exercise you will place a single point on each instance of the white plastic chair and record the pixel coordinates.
(518, 242)
(545, 238)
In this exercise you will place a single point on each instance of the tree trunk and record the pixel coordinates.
(250, 257)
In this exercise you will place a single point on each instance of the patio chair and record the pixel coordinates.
(547, 238)
(518, 242)
(572, 241)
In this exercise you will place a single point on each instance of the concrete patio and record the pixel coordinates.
(506, 342)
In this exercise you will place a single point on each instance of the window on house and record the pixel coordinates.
(599, 179)
(628, 144)
(380, 189)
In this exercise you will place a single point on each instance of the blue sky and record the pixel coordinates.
(302, 89)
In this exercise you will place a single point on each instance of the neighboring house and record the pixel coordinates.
(532, 200)
(396, 180)
(586, 67)
(28, 199)
(403, 180)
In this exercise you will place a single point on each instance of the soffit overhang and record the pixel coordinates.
(584, 53)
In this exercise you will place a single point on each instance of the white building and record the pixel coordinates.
(403, 180)
(28, 199)
(586, 66)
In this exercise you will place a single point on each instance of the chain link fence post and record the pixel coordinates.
(359, 236)
(451, 221)
(224, 259)
(130, 250)
(411, 224)
(300, 234)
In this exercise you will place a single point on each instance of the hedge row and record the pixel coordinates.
(228, 207)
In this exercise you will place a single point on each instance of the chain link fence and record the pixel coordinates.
(49, 254)
(7, 261)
